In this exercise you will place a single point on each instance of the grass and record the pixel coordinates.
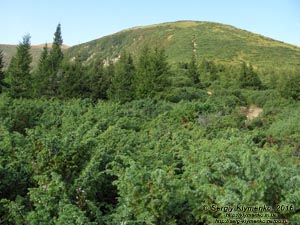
(219, 42)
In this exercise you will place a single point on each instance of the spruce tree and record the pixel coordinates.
(42, 73)
(19, 77)
(249, 78)
(209, 72)
(73, 83)
(193, 71)
(289, 86)
(43, 62)
(152, 72)
(99, 79)
(56, 55)
(55, 62)
(121, 88)
(1, 72)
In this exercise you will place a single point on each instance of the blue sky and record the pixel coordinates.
(86, 20)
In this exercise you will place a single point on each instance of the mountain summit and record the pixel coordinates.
(219, 42)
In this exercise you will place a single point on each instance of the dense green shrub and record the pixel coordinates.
(19, 115)
(290, 86)
(146, 161)
(186, 93)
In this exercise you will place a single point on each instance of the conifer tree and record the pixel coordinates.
(43, 62)
(152, 72)
(121, 88)
(56, 55)
(209, 72)
(193, 71)
(42, 73)
(248, 78)
(289, 86)
(55, 62)
(1, 72)
(99, 79)
(19, 77)
(73, 83)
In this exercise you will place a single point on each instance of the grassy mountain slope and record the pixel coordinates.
(219, 42)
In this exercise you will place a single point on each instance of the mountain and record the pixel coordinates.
(10, 50)
(215, 41)
(222, 43)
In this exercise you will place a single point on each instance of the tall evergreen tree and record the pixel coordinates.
(42, 73)
(19, 77)
(152, 72)
(121, 88)
(56, 55)
(73, 83)
(289, 86)
(99, 78)
(209, 72)
(1, 72)
(248, 78)
(193, 71)
(55, 62)
(43, 62)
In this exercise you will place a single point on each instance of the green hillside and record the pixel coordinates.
(222, 43)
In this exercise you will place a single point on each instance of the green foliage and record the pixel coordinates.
(145, 161)
(248, 78)
(193, 70)
(53, 65)
(42, 75)
(122, 81)
(70, 214)
(185, 93)
(286, 128)
(262, 97)
(99, 79)
(18, 73)
(2, 84)
(15, 170)
(56, 55)
(152, 72)
(73, 82)
(236, 174)
(290, 86)
(17, 116)
(209, 72)
(137, 141)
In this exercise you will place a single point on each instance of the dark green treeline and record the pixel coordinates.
(125, 78)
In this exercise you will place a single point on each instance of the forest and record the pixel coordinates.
(140, 140)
